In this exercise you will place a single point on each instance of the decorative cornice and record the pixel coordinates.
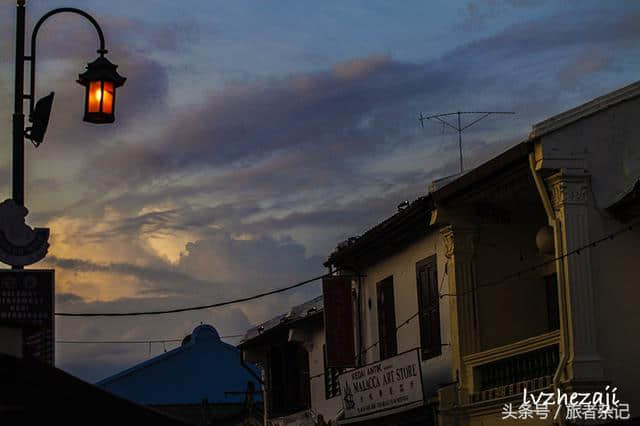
(568, 189)
(457, 240)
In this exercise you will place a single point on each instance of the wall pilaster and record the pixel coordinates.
(465, 338)
(570, 199)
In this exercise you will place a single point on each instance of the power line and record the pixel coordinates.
(193, 308)
(577, 251)
(117, 341)
(517, 274)
(302, 283)
(374, 344)
(405, 322)
(134, 341)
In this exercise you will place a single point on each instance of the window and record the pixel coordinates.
(331, 384)
(429, 307)
(551, 290)
(288, 379)
(338, 321)
(386, 319)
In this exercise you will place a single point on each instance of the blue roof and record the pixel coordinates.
(203, 367)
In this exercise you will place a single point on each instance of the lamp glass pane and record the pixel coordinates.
(107, 97)
(95, 94)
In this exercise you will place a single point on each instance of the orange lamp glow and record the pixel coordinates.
(100, 97)
(100, 80)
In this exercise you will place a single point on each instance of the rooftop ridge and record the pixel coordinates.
(588, 108)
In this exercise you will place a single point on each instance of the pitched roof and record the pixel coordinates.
(411, 222)
(202, 367)
(408, 224)
(305, 311)
(486, 170)
(32, 392)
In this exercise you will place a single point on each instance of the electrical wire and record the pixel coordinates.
(302, 283)
(134, 341)
(374, 344)
(577, 251)
(116, 341)
(506, 278)
(405, 322)
(193, 308)
(517, 274)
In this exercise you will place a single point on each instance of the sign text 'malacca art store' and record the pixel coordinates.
(382, 388)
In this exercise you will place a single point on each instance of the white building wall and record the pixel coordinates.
(606, 146)
(329, 408)
(402, 266)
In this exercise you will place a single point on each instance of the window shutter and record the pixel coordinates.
(429, 306)
(338, 321)
(386, 319)
(302, 364)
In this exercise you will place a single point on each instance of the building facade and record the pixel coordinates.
(514, 275)
(299, 388)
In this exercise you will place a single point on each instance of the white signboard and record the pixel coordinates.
(392, 385)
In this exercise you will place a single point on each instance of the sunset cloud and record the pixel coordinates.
(248, 141)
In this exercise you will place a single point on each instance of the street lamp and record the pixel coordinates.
(100, 80)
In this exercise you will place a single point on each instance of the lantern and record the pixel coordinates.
(101, 80)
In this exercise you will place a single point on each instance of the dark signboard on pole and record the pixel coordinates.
(338, 321)
(26, 301)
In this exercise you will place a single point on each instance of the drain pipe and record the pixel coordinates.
(554, 222)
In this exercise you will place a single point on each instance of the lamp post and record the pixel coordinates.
(100, 80)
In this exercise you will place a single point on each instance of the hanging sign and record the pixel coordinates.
(382, 388)
(26, 301)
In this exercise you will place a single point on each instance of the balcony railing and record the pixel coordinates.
(507, 370)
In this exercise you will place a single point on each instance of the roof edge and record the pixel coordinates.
(483, 171)
(285, 321)
(389, 226)
(144, 364)
(582, 111)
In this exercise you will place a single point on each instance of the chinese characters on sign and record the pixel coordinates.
(570, 406)
(26, 301)
(386, 385)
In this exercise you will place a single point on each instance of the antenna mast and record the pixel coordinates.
(459, 127)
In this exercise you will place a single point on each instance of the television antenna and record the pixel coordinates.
(459, 128)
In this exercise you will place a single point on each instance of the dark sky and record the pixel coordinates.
(252, 137)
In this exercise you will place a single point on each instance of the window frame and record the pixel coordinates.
(387, 331)
(289, 388)
(430, 344)
(331, 384)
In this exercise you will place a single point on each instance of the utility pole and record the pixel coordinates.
(459, 127)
